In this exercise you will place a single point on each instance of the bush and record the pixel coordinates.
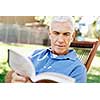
(3, 71)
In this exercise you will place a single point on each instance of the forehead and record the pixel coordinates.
(61, 27)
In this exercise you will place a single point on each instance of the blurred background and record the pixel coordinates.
(27, 33)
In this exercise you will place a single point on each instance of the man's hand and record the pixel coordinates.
(16, 78)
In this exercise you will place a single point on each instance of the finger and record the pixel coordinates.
(16, 77)
(16, 81)
(29, 81)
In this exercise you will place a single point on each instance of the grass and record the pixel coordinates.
(3, 70)
(93, 76)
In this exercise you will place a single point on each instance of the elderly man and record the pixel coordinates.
(58, 58)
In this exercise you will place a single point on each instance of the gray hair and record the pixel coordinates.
(63, 19)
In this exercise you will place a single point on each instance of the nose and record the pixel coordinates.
(60, 39)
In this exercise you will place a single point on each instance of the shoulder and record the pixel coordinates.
(79, 66)
(72, 55)
(39, 52)
(76, 60)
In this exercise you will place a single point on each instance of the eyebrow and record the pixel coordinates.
(67, 32)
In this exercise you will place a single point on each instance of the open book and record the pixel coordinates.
(23, 66)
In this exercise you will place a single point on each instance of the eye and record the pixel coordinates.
(67, 33)
(56, 33)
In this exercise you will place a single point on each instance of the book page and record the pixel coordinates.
(20, 64)
(52, 76)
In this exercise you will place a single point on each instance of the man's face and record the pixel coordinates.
(61, 37)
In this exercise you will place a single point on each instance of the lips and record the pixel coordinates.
(61, 46)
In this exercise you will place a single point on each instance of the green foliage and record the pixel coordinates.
(3, 71)
(98, 54)
(94, 75)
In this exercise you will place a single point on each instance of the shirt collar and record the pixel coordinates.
(70, 56)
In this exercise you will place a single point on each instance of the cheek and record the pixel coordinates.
(68, 40)
(53, 38)
(52, 41)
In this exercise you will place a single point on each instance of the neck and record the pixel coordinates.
(64, 53)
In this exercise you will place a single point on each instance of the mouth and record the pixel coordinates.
(60, 46)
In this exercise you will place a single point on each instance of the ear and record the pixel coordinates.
(73, 36)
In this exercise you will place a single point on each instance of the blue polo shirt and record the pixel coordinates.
(45, 61)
